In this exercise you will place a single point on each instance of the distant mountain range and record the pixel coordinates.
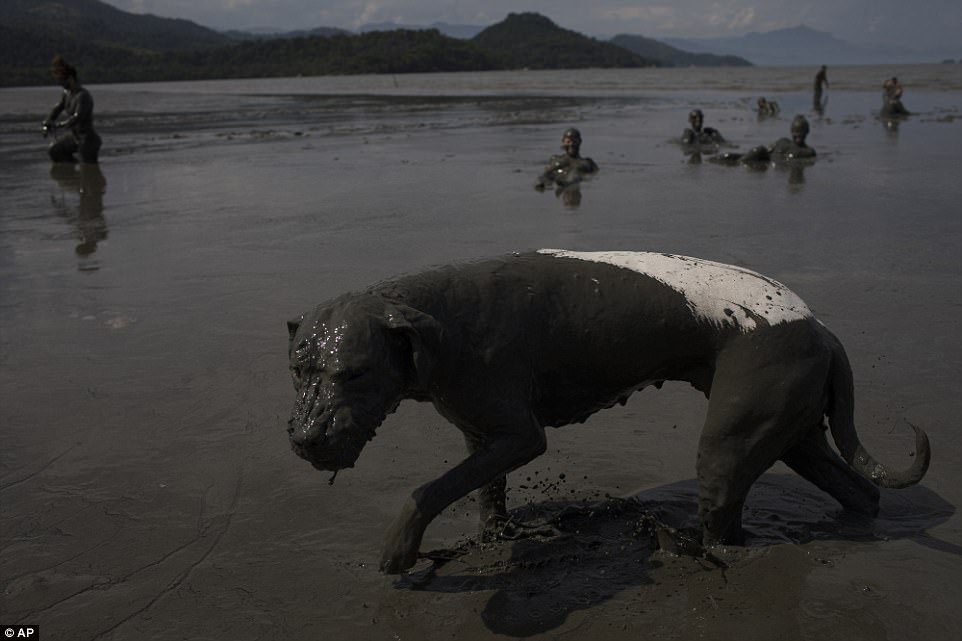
(799, 45)
(52, 21)
(804, 45)
(657, 52)
(110, 45)
(673, 56)
(531, 41)
(463, 31)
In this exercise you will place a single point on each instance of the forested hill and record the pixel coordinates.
(530, 40)
(674, 57)
(81, 22)
(109, 45)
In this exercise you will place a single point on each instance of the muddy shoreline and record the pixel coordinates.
(146, 485)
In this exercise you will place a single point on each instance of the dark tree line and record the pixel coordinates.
(521, 41)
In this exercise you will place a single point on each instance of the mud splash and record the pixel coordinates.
(557, 560)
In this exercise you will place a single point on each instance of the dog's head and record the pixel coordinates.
(352, 361)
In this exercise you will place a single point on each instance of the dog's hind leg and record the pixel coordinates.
(765, 392)
(724, 478)
(815, 461)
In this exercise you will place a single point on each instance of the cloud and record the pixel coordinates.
(656, 12)
(743, 19)
(731, 18)
(369, 13)
(648, 18)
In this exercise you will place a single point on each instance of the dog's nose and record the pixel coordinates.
(305, 434)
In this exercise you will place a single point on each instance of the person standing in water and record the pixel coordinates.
(821, 81)
(77, 106)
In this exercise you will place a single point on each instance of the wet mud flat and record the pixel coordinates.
(147, 489)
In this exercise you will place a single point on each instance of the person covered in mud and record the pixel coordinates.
(77, 108)
(567, 168)
(821, 82)
(767, 107)
(794, 148)
(697, 133)
(892, 98)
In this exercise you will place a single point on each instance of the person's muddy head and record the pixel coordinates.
(696, 119)
(62, 71)
(799, 130)
(571, 141)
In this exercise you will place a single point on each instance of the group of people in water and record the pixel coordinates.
(566, 170)
(76, 105)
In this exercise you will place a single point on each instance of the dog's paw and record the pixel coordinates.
(402, 541)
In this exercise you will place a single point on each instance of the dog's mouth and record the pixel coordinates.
(330, 451)
(329, 440)
(325, 459)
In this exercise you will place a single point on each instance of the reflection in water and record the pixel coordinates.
(818, 106)
(87, 180)
(570, 195)
(796, 173)
(891, 123)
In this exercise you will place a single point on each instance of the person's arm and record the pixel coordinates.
(714, 134)
(547, 176)
(56, 110)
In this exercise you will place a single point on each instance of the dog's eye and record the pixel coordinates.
(349, 375)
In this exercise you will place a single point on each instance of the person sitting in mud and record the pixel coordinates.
(567, 168)
(767, 107)
(77, 107)
(783, 149)
(892, 99)
(697, 134)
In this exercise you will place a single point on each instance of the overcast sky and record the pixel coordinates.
(906, 23)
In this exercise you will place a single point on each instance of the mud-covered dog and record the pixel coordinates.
(504, 348)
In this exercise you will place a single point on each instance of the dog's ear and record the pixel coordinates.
(292, 326)
(423, 333)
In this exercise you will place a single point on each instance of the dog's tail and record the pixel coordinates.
(841, 419)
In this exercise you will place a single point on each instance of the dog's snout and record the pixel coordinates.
(305, 435)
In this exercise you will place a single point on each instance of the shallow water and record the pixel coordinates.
(147, 489)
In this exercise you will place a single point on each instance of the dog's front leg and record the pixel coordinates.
(493, 460)
(492, 503)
